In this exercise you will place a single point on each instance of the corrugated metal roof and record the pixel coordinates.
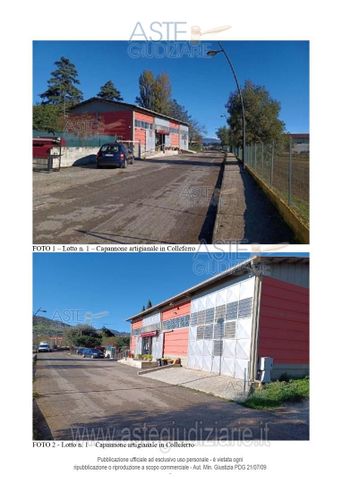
(233, 271)
(132, 106)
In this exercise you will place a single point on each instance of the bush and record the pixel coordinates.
(277, 393)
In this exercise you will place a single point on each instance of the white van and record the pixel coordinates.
(43, 347)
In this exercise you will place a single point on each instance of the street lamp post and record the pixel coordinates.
(212, 53)
(39, 310)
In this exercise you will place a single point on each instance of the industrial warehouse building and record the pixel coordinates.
(227, 324)
(147, 130)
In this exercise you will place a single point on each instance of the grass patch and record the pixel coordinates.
(276, 393)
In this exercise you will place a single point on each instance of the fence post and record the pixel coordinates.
(272, 161)
(50, 163)
(289, 196)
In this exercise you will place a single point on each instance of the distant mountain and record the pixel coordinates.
(121, 334)
(117, 333)
(211, 141)
(49, 327)
(45, 326)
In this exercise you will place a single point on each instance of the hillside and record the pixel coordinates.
(45, 326)
(117, 333)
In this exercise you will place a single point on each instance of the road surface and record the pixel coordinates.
(161, 200)
(89, 399)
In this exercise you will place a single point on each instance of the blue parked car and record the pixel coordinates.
(92, 353)
(79, 350)
(115, 155)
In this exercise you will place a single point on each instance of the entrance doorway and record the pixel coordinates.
(147, 345)
(160, 141)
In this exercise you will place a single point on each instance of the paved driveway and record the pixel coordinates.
(161, 200)
(99, 399)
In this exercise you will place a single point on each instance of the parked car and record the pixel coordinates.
(79, 350)
(100, 348)
(114, 155)
(44, 347)
(92, 353)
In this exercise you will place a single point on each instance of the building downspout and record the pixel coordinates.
(133, 127)
(255, 327)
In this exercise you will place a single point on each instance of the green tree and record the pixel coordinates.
(149, 304)
(154, 92)
(122, 341)
(48, 117)
(83, 335)
(196, 130)
(146, 90)
(62, 88)
(223, 133)
(162, 94)
(109, 92)
(261, 113)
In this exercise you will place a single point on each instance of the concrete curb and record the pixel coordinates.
(300, 229)
(159, 368)
(220, 211)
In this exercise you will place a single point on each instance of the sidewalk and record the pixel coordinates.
(245, 214)
(222, 386)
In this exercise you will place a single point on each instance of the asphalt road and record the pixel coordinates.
(161, 200)
(89, 399)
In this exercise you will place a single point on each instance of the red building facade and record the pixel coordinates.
(225, 325)
(147, 130)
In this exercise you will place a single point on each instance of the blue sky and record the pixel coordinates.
(117, 285)
(202, 84)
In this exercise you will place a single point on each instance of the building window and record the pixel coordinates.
(230, 330)
(177, 322)
(208, 331)
(201, 317)
(232, 309)
(193, 319)
(143, 124)
(151, 327)
(245, 308)
(219, 329)
(200, 332)
(209, 316)
(220, 313)
(218, 348)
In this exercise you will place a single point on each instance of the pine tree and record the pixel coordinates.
(62, 88)
(109, 92)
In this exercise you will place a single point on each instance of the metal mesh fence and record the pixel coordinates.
(285, 168)
(74, 140)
